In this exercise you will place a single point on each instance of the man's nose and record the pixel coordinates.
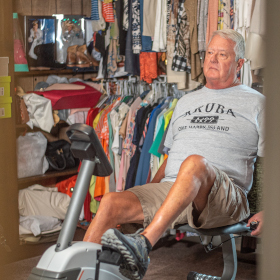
(214, 58)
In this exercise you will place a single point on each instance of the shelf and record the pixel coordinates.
(48, 175)
(52, 72)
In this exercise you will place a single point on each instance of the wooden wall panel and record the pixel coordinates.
(23, 7)
(86, 8)
(76, 7)
(64, 7)
(45, 7)
(25, 82)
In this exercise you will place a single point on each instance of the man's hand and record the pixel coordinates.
(160, 173)
(256, 218)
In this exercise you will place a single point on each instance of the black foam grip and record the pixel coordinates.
(84, 133)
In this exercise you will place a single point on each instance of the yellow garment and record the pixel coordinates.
(92, 205)
(168, 114)
(95, 121)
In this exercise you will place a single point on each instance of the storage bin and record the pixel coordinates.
(5, 107)
(4, 66)
(4, 88)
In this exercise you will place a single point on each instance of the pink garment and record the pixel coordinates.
(73, 111)
(212, 23)
(128, 147)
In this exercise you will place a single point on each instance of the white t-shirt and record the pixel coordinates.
(225, 126)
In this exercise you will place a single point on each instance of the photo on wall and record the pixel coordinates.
(40, 40)
(70, 31)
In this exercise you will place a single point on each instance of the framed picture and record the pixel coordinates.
(70, 31)
(40, 40)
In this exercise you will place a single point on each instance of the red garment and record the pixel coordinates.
(108, 12)
(71, 99)
(92, 113)
(148, 66)
(67, 186)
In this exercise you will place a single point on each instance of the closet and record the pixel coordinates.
(10, 129)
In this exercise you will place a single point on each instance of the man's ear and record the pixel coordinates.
(240, 63)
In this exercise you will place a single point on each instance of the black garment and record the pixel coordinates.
(105, 61)
(140, 121)
(132, 61)
(100, 44)
(138, 128)
(122, 33)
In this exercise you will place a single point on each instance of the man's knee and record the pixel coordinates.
(122, 204)
(199, 166)
(108, 202)
(195, 162)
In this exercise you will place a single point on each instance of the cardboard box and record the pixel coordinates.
(4, 87)
(4, 65)
(5, 108)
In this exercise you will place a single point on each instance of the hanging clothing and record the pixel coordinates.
(255, 44)
(146, 40)
(149, 19)
(108, 12)
(159, 43)
(140, 120)
(132, 65)
(212, 22)
(148, 66)
(144, 161)
(136, 32)
(181, 58)
(94, 10)
(202, 25)
(172, 76)
(128, 148)
(122, 33)
(196, 69)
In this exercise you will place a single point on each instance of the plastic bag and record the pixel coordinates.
(38, 200)
(31, 158)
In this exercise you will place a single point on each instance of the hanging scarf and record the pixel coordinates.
(136, 31)
(125, 15)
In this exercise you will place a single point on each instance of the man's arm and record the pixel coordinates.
(257, 218)
(160, 173)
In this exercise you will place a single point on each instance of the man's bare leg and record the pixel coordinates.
(114, 209)
(193, 184)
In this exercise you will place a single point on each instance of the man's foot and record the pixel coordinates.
(134, 248)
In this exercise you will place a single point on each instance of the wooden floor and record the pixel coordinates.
(170, 260)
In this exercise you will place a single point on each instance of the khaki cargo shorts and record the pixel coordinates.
(227, 204)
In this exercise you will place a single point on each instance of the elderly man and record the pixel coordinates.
(214, 137)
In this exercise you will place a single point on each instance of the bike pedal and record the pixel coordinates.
(110, 255)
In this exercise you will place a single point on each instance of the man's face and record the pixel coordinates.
(220, 67)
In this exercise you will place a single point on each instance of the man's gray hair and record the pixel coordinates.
(236, 37)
